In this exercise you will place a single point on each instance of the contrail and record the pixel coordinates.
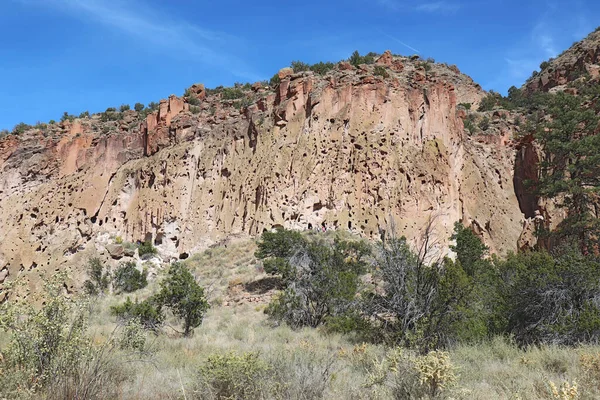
(399, 41)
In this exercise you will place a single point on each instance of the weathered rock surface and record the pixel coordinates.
(348, 150)
(583, 58)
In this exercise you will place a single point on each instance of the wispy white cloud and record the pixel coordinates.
(438, 6)
(395, 39)
(441, 6)
(140, 20)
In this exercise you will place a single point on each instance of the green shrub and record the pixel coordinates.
(67, 117)
(552, 299)
(111, 114)
(381, 71)
(484, 124)
(274, 81)
(4, 132)
(321, 279)
(322, 68)
(180, 292)
(153, 106)
(146, 248)
(356, 59)
(299, 66)
(128, 279)
(85, 114)
(139, 107)
(148, 313)
(124, 107)
(232, 93)
(233, 376)
(195, 110)
(98, 280)
(50, 355)
(193, 100)
(20, 128)
(466, 106)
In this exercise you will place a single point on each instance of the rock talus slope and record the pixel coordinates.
(349, 150)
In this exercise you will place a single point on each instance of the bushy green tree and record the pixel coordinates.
(552, 298)
(182, 294)
(128, 279)
(570, 168)
(356, 59)
(322, 68)
(321, 278)
(146, 248)
(139, 107)
(98, 279)
(124, 107)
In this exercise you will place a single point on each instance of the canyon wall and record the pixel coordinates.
(351, 150)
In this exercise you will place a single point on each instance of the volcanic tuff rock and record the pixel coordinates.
(581, 59)
(348, 150)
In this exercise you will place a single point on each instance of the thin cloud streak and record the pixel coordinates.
(399, 41)
(191, 40)
(430, 7)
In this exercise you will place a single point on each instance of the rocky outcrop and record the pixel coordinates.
(348, 151)
(583, 58)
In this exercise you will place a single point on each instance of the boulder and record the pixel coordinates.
(116, 251)
(285, 72)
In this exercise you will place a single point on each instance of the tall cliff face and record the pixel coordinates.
(349, 150)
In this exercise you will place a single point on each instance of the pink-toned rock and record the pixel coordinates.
(285, 72)
(198, 90)
(345, 66)
(385, 59)
(397, 66)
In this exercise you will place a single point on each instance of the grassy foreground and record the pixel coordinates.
(238, 353)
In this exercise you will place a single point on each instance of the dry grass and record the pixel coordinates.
(310, 364)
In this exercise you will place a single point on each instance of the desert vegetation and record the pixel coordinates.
(312, 316)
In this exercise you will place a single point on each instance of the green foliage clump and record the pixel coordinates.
(552, 298)
(299, 66)
(153, 106)
(146, 248)
(274, 81)
(124, 107)
(128, 279)
(356, 59)
(182, 294)
(234, 376)
(148, 313)
(99, 280)
(49, 353)
(84, 114)
(111, 114)
(484, 124)
(67, 117)
(20, 128)
(571, 170)
(381, 71)
(321, 279)
(321, 67)
(139, 107)
(466, 106)
(232, 93)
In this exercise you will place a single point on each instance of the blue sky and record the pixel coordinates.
(77, 55)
